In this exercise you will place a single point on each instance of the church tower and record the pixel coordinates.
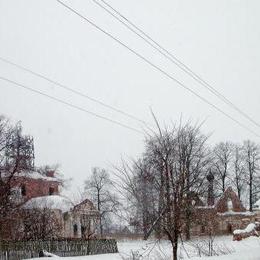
(211, 198)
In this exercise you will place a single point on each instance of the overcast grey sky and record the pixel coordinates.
(218, 39)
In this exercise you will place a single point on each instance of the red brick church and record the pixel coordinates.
(221, 215)
(37, 189)
(31, 184)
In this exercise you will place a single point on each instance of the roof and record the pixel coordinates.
(58, 202)
(51, 202)
(233, 213)
(85, 202)
(86, 206)
(35, 175)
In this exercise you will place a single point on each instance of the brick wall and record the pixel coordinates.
(31, 188)
(229, 195)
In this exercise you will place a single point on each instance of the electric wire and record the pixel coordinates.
(156, 67)
(70, 104)
(167, 54)
(73, 90)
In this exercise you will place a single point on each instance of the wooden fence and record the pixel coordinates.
(28, 249)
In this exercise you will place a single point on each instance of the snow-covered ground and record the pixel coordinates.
(247, 249)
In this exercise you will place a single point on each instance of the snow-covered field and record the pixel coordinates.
(248, 249)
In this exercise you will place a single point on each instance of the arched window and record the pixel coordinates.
(230, 205)
(229, 228)
(203, 229)
(23, 190)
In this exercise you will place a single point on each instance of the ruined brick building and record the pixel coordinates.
(35, 190)
(221, 215)
(31, 184)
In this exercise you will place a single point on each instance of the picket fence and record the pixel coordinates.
(29, 249)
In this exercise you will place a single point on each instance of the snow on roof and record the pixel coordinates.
(205, 207)
(51, 202)
(244, 213)
(36, 175)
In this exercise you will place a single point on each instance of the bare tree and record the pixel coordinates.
(252, 159)
(161, 150)
(89, 228)
(41, 223)
(176, 162)
(222, 156)
(137, 182)
(13, 159)
(238, 177)
(193, 158)
(99, 188)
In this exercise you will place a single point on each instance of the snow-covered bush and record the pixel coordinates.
(250, 230)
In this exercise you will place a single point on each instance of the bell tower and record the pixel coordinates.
(211, 198)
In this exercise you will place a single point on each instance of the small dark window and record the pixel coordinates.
(75, 229)
(203, 229)
(51, 191)
(23, 190)
(66, 216)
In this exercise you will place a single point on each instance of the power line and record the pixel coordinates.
(70, 105)
(167, 54)
(156, 67)
(72, 90)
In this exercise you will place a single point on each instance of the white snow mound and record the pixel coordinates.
(251, 227)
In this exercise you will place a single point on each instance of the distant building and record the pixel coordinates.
(39, 191)
(222, 215)
(76, 221)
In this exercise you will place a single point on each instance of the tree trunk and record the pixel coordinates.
(100, 215)
(175, 247)
(174, 253)
(250, 193)
(188, 225)
(188, 206)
